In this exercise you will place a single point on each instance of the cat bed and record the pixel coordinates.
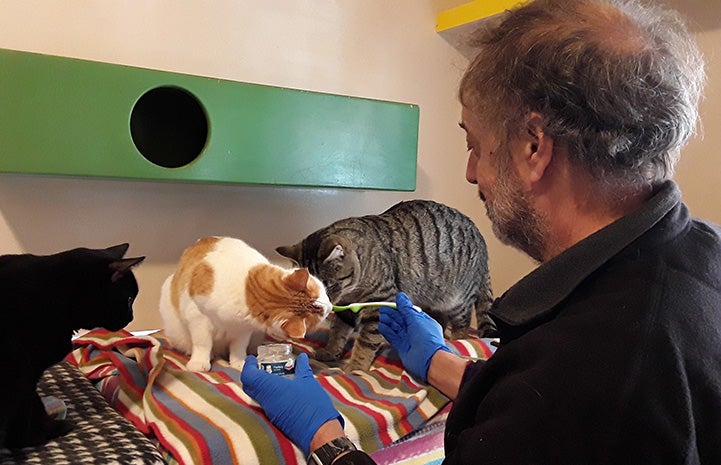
(207, 417)
(100, 436)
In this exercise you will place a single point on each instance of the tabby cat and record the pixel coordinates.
(44, 300)
(224, 291)
(428, 250)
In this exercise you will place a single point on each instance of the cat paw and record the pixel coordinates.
(487, 328)
(238, 364)
(324, 355)
(59, 428)
(198, 365)
(39, 434)
(352, 366)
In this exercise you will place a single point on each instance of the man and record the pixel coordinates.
(610, 351)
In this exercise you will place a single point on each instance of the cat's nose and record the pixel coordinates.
(327, 308)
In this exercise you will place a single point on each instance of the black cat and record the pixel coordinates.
(43, 300)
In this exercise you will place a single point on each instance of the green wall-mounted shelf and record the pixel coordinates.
(65, 116)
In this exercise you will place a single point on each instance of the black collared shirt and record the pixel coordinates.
(610, 352)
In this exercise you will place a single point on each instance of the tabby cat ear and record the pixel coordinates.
(290, 251)
(294, 328)
(297, 280)
(117, 251)
(120, 267)
(335, 254)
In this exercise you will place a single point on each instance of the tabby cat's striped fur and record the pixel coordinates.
(428, 250)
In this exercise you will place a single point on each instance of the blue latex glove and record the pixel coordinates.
(415, 335)
(297, 406)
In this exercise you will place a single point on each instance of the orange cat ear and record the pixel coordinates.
(298, 280)
(294, 328)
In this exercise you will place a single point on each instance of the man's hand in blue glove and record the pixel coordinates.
(297, 406)
(415, 335)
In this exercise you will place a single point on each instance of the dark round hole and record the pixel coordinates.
(169, 126)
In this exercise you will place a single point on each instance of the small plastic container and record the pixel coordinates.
(277, 359)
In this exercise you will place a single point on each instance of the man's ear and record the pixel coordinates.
(540, 146)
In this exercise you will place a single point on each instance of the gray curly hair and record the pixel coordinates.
(617, 82)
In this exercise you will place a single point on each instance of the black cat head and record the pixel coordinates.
(101, 285)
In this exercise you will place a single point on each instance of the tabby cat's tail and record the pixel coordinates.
(484, 300)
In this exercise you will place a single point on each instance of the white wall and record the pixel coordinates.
(378, 49)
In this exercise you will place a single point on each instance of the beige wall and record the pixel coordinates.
(699, 171)
(370, 48)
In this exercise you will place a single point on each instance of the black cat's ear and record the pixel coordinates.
(117, 251)
(290, 251)
(121, 267)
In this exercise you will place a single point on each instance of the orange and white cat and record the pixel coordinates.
(224, 291)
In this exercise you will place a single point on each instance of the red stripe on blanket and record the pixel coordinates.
(377, 417)
(181, 429)
(286, 446)
(396, 409)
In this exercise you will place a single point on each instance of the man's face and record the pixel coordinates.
(482, 146)
(492, 167)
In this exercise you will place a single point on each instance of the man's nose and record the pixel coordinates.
(471, 171)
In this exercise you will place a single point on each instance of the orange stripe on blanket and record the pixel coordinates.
(287, 449)
(394, 408)
(180, 429)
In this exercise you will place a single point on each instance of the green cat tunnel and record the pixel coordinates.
(64, 116)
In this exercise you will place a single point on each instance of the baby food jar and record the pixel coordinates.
(276, 358)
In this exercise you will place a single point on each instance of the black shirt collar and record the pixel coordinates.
(534, 296)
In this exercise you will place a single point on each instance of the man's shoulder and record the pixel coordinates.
(707, 230)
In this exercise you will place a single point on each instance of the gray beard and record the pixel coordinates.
(514, 221)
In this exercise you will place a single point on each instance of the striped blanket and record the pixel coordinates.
(422, 447)
(207, 418)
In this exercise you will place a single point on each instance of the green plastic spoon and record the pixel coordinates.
(358, 306)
